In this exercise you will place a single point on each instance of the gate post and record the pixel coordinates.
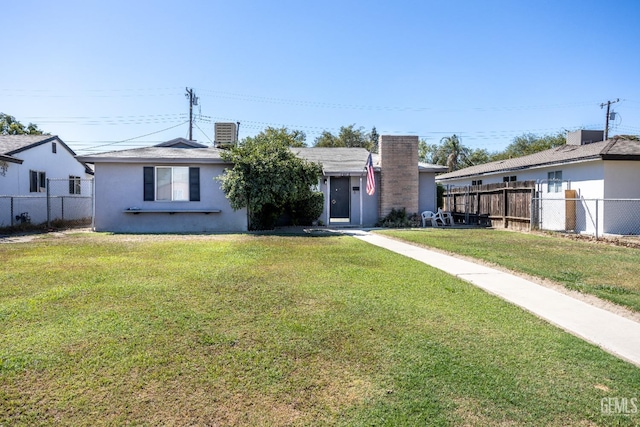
(531, 204)
(93, 206)
(48, 202)
(597, 218)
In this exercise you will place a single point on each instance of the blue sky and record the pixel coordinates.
(99, 72)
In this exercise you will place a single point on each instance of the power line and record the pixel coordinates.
(207, 136)
(259, 125)
(172, 91)
(118, 117)
(136, 137)
(94, 93)
(274, 100)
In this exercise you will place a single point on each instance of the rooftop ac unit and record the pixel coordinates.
(225, 133)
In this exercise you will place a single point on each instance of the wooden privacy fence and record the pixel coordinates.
(505, 204)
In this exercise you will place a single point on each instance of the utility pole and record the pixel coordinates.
(193, 100)
(606, 128)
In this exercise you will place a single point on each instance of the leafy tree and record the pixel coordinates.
(423, 151)
(327, 139)
(456, 152)
(352, 137)
(529, 143)
(348, 136)
(10, 126)
(478, 156)
(374, 138)
(268, 177)
(428, 153)
(451, 153)
(292, 138)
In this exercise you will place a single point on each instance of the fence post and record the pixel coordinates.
(93, 206)
(505, 201)
(597, 218)
(48, 203)
(466, 204)
(11, 208)
(531, 213)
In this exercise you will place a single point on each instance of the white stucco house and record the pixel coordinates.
(171, 187)
(26, 163)
(586, 168)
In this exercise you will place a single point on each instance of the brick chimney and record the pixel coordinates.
(398, 173)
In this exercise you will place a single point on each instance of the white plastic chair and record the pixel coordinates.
(445, 217)
(429, 216)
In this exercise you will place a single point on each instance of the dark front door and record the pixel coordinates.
(339, 198)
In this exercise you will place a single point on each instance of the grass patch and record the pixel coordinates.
(267, 330)
(609, 272)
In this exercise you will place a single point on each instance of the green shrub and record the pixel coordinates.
(305, 211)
(265, 218)
(398, 218)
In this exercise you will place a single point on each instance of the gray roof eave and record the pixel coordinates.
(347, 171)
(11, 159)
(520, 168)
(344, 173)
(634, 157)
(426, 167)
(150, 159)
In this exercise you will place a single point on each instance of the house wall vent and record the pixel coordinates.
(225, 133)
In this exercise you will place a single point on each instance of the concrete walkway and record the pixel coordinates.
(613, 333)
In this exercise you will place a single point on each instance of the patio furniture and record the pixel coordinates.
(429, 216)
(445, 217)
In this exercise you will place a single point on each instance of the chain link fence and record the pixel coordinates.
(66, 200)
(594, 217)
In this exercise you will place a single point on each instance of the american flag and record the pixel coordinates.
(371, 180)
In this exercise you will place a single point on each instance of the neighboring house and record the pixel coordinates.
(590, 170)
(171, 187)
(27, 162)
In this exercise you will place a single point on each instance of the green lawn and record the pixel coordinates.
(264, 330)
(606, 271)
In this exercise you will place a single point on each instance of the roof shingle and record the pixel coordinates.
(12, 144)
(617, 149)
(145, 154)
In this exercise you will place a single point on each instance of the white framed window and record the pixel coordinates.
(37, 181)
(172, 183)
(554, 182)
(74, 185)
